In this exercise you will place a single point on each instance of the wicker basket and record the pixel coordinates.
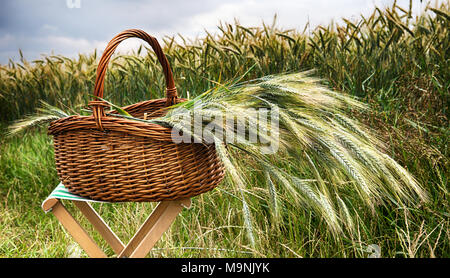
(116, 159)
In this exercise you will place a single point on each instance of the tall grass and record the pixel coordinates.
(395, 63)
(369, 57)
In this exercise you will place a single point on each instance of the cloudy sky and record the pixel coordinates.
(69, 27)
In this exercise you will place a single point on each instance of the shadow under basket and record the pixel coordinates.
(114, 159)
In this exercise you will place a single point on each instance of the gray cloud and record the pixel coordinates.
(95, 19)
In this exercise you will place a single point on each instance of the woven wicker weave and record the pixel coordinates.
(116, 159)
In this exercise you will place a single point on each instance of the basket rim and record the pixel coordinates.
(110, 123)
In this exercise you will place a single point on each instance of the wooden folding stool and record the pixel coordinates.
(139, 246)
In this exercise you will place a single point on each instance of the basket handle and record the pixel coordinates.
(98, 105)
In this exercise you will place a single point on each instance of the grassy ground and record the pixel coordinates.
(396, 63)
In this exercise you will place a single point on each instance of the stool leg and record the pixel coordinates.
(144, 229)
(162, 224)
(78, 233)
(100, 225)
(153, 228)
